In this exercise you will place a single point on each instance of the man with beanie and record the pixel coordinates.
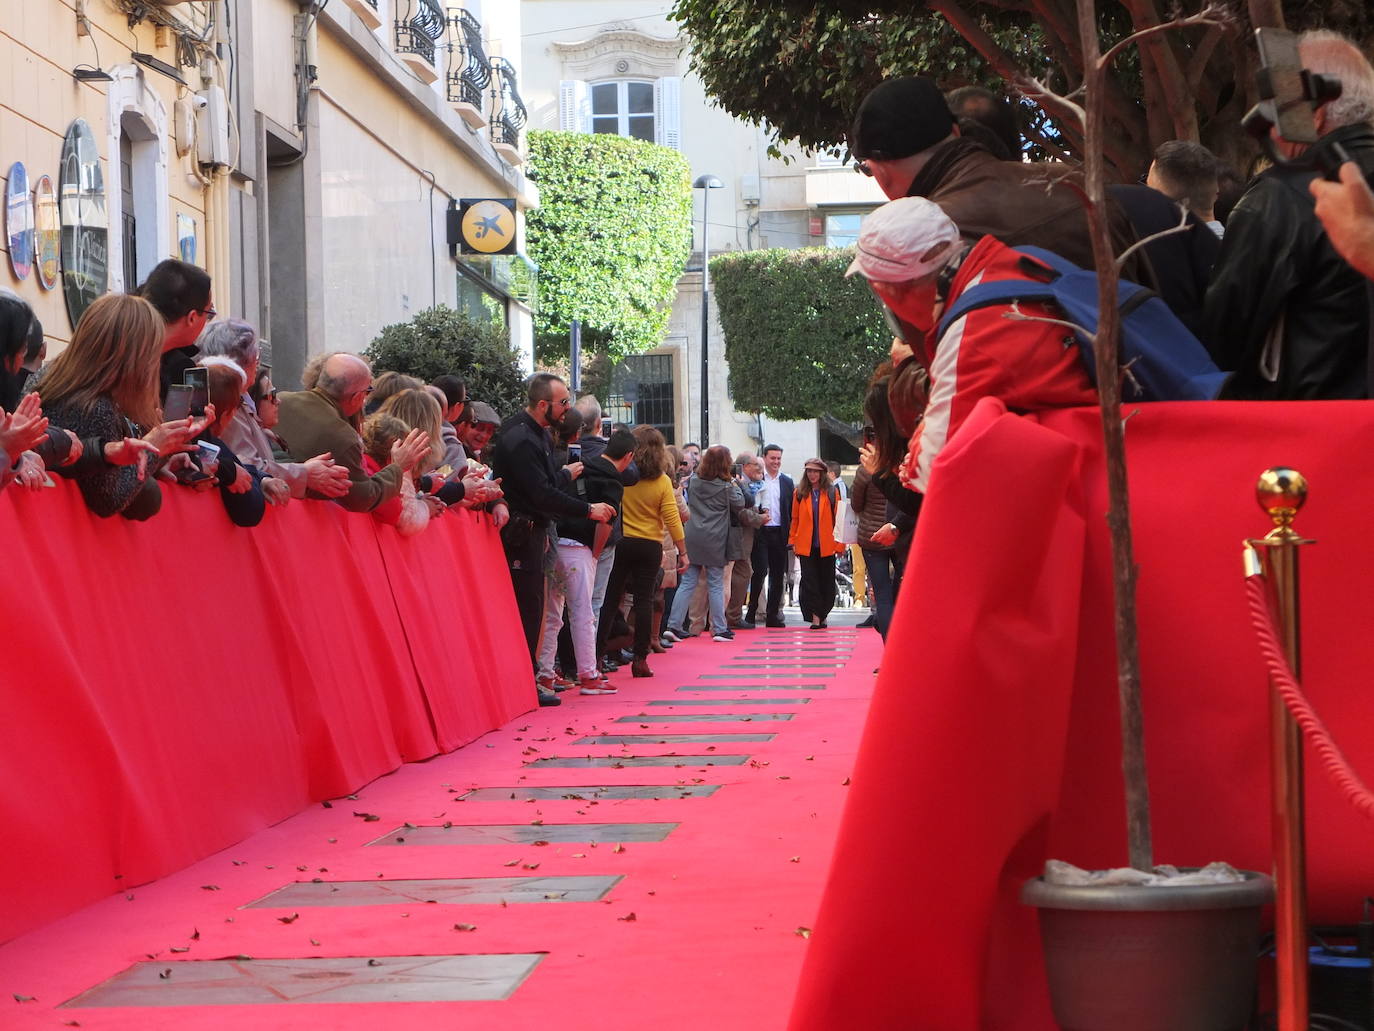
(905, 137)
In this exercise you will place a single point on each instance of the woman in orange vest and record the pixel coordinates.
(813, 540)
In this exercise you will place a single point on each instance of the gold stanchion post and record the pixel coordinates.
(1281, 492)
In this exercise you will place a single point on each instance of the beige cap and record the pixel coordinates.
(904, 240)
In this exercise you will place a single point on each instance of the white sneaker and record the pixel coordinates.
(723, 635)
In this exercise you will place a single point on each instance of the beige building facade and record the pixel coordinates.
(307, 156)
(620, 66)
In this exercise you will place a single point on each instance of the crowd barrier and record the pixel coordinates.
(171, 687)
(992, 743)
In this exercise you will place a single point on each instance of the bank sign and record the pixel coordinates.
(486, 226)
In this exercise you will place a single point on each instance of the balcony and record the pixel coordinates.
(420, 24)
(508, 114)
(368, 12)
(469, 71)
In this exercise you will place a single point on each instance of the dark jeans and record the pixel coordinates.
(883, 576)
(529, 599)
(636, 567)
(816, 595)
(769, 559)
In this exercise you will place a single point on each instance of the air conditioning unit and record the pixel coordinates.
(212, 127)
(749, 191)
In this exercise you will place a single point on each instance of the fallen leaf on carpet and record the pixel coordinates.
(288, 919)
(579, 855)
(209, 887)
(795, 859)
(628, 918)
(327, 805)
(618, 848)
(314, 942)
(165, 974)
(844, 783)
(536, 823)
(181, 948)
(465, 927)
(374, 962)
(531, 866)
(802, 932)
(783, 776)
(195, 934)
(23, 998)
(302, 868)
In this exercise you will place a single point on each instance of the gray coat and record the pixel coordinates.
(710, 503)
(741, 544)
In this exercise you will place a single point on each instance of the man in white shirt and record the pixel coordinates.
(770, 544)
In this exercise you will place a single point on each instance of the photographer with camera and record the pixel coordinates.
(1284, 312)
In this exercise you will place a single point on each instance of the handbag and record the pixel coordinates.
(846, 523)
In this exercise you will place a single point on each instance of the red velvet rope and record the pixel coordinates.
(1291, 693)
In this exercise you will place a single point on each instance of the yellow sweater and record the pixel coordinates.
(648, 508)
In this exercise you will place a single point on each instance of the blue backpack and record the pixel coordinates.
(1165, 361)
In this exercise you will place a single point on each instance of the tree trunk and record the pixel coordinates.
(1118, 498)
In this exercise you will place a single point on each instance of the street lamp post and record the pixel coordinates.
(705, 183)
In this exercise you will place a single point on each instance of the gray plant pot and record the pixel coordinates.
(1131, 958)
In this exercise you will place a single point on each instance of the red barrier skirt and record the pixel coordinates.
(993, 740)
(170, 687)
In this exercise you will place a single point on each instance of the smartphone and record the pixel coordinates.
(198, 380)
(605, 426)
(178, 403)
(574, 453)
(870, 435)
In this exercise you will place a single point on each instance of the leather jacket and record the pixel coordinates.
(1284, 312)
(1010, 200)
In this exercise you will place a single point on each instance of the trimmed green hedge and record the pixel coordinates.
(801, 340)
(611, 236)
(441, 341)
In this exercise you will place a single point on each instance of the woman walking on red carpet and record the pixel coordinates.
(813, 541)
(647, 510)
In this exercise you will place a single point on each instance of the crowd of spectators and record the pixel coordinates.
(1267, 281)
(102, 415)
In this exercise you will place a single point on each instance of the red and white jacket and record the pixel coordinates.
(1029, 365)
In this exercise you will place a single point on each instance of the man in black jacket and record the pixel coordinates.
(580, 540)
(770, 544)
(520, 457)
(1284, 312)
(181, 294)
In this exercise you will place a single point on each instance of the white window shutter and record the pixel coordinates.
(574, 106)
(668, 112)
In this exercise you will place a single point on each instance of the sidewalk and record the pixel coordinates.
(648, 859)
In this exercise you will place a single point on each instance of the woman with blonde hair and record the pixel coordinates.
(647, 510)
(418, 409)
(813, 541)
(407, 511)
(104, 388)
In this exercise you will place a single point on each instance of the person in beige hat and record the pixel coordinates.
(917, 265)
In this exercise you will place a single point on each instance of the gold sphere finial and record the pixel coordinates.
(1281, 492)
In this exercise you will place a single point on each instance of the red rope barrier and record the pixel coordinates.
(1291, 693)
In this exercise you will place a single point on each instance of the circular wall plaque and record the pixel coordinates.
(85, 223)
(19, 221)
(47, 233)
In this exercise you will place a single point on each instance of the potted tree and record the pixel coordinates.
(1137, 950)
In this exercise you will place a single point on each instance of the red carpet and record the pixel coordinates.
(701, 931)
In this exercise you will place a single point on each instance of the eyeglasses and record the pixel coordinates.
(270, 395)
(209, 313)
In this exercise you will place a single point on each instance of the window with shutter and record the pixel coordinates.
(574, 106)
(668, 109)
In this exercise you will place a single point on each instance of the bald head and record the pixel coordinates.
(346, 378)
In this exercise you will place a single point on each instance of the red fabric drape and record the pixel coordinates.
(172, 686)
(992, 743)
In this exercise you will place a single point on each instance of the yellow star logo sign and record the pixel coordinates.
(488, 227)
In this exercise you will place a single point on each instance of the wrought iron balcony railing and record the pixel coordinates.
(469, 70)
(508, 114)
(420, 25)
